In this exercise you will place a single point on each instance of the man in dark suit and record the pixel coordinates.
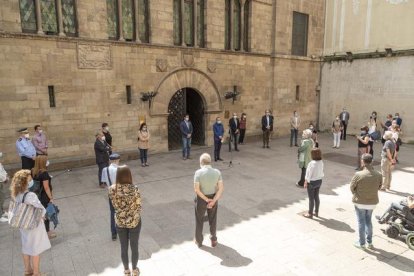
(102, 149)
(344, 117)
(186, 128)
(234, 130)
(267, 126)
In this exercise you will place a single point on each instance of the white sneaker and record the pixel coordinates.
(2, 219)
(5, 215)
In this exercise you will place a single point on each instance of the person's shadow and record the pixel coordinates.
(335, 224)
(395, 260)
(229, 256)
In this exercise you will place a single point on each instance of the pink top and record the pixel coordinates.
(39, 142)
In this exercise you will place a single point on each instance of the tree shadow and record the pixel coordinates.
(229, 256)
(335, 224)
(394, 260)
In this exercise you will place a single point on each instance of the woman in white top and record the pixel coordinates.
(313, 181)
(34, 241)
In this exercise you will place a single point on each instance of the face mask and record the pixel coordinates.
(396, 116)
(27, 135)
(30, 184)
(311, 127)
(374, 116)
(103, 138)
(337, 119)
(187, 119)
(219, 122)
(107, 128)
(40, 131)
(144, 128)
(235, 117)
(363, 132)
(47, 163)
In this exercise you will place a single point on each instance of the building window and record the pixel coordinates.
(49, 18)
(177, 22)
(236, 24)
(227, 20)
(297, 93)
(189, 22)
(200, 25)
(143, 21)
(112, 18)
(300, 34)
(189, 28)
(28, 16)
(69, 17)
(233, 25)
(128, 20)
(246, 25)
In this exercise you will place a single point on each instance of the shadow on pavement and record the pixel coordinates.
(229, 256)
(335, 224)
(397, 261)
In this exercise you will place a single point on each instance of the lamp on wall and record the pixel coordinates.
(349, 56)
(232, 94)
(148, 96)
(388, 51)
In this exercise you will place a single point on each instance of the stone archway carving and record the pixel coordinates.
(181, 78)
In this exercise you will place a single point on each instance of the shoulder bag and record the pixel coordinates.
(24, 216)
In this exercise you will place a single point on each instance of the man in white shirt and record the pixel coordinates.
(294, 127)
(109, 178)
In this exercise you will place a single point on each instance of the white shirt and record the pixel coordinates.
(314, 171)
(112, 174)
(268, 123)
(3, 173)
(343, 116)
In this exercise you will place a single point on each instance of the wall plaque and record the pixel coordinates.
(188, 60)
(94, 56)
(161, 65)
(211, 66)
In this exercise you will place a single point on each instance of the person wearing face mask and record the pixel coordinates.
(344, 117)
(208, 186)
(218, 130)
(40, 173)
(337, 128)
(25, 149)
(314, 135)
(234, 124)
(108, 136)
(243, 122)
(267, 127)
(186, 128)
(363, 143)
(4, 178)
(39, 141)
(398, 119)
(143, 144)
(294, 127)
(102, 149)
(372, 131)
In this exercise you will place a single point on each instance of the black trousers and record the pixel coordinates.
(200, 210)
(241, 138)
(343, 133)
(27, 163)
(301, 182)
(234, 139)
(101, 166)
(129, 236)
(217, 148)
(266, 137)
(294, 136)
(313, 193)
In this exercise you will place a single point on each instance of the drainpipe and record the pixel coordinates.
(321, 63)
(273, 56)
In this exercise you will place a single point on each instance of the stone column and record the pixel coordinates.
(195, 8)
(182, 22)
(136, 14)
(120, 30)
(60, 17)
(38, 18)
(231, 24)
(242, 2)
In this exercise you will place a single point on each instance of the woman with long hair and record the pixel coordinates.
(313, 182)
(126, 200)
(40, 173)
(242, 127)
(143, 144)
(363, 145)
(34, 241)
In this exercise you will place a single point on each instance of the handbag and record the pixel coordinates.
(376, 135)
(24, 216)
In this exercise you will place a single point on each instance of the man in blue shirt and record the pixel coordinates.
(218, 130)
(25, 149)
(186, 129)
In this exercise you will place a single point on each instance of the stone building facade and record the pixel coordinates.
(369, 61)
(89, 73)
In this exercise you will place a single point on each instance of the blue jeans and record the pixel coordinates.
(143, 154)
(364, 225)
(113, 226)
(186, 147)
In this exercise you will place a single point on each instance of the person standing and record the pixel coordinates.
(109, 178)
(344, 116)
(363, 144)
(398, 119)
(304, 155)
(218, 130)
(372, 128)
(102, 149)
(267, 126)
(364, 188)
(4, 178)
(186, 128)
(108, 136)
(25, 149)
(313, 182)
(387, 160)
(34, 241)
(234, 125)
(40, 173)
(208, 186)
(39, 141)
(243, 124)
(386, 126)
(337, 128)
(314, 135)
(294, 127)
(126, 199)
(143, 144)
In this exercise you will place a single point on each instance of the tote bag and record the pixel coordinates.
(24, 216)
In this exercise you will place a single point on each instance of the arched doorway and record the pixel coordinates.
(185, 101)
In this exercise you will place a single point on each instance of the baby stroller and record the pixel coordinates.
(400, 221)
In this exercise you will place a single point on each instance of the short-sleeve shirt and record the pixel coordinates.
(388, 145)
(112, 174)
(208, 178)
(43, 176)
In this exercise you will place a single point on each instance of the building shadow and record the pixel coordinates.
(229, 256)
(397, 261)
(335, 224)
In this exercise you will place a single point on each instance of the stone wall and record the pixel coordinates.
(383, 84)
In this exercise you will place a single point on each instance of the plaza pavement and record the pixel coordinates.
(260, 227)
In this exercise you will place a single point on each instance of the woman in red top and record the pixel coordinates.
(242, 128)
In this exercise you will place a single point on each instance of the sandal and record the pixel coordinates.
(309, 216)
(127, 272)
(135, 272)
(26, 273)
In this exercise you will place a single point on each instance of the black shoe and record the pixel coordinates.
(215, 160)
(114, 237)
(220, 159)
(268, 147)
(296, 145)
(236, 150)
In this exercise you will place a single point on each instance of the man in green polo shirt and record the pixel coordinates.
(208, 186)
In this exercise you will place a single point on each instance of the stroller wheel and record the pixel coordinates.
(410, 240)
(392, 232)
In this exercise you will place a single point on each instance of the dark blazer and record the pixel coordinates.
(101, 151)
(233, 126)
(264, 122)
(346, 116)
(186, 130)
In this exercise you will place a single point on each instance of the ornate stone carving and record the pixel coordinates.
(161, 65)
(211, 66)
(188, 60)
(94, 56)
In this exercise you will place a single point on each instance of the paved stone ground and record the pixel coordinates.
(260, 229)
